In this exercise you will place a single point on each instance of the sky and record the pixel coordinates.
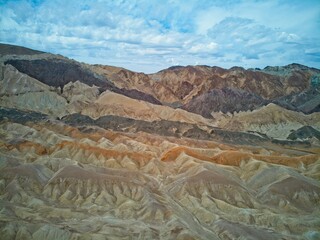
(149, 35)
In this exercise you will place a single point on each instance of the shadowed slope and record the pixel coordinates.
(7, 49)
(224, 100)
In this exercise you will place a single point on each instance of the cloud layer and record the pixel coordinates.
(147, 36)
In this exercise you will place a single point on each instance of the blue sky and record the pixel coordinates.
(151, 35)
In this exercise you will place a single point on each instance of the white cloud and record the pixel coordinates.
(207, 18)
(145, 34)
(203, 48)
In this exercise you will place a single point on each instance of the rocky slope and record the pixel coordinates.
(288, 86)
(60, 181)
(191, 81)
(129, 80)
(307, 101)
(99, 152)
(110, 103)
(7, 49)
(272, 120)
(305, 132)
(224, 100)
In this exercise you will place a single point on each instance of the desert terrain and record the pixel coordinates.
(189, 152)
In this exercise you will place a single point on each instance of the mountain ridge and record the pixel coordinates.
(197, 152)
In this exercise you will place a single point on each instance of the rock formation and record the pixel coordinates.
(196, 152)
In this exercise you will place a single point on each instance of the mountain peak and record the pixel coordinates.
(8, 49)
(193, 152)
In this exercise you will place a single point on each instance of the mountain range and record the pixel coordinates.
(190, 152)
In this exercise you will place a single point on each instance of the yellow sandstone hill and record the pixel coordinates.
(272, 120)
(110, 103)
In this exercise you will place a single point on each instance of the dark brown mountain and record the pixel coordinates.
(288, 86)
(224, 100)
(127, 79)
(307, 101)
(181, 86)
(59, 72)
(7, 49)
(304, 132)
(266, 84)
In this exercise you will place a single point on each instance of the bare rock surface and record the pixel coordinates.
(110, 103)
(224, 100)
(272, 120)
(101, 152)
